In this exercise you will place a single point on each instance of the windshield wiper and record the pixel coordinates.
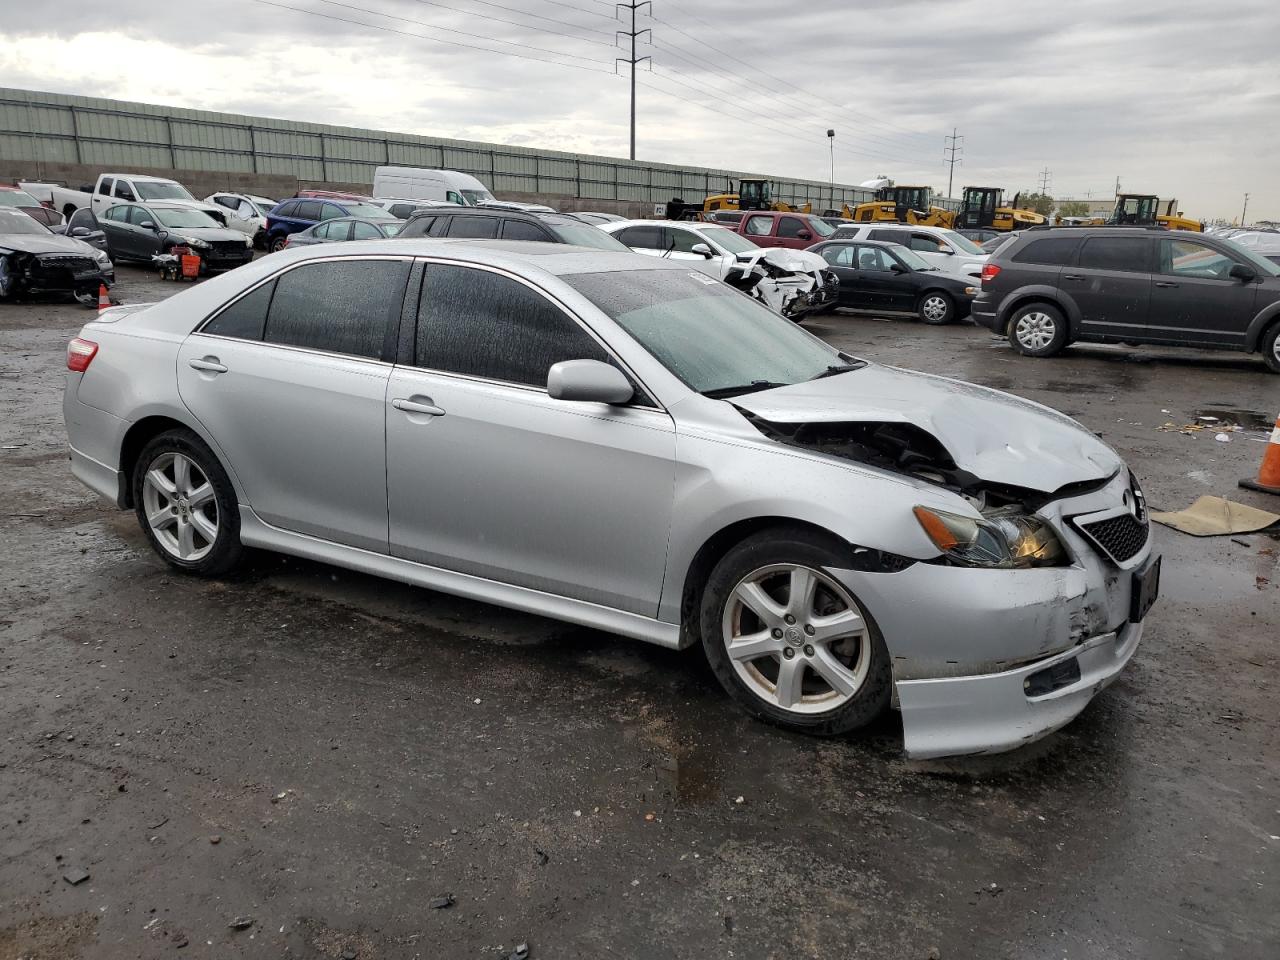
(836, 368)
(721, 393)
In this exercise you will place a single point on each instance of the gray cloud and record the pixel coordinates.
(1174, 99)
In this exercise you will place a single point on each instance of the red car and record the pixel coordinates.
(768, 228)
(11, 196)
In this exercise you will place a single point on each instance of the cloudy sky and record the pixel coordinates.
(1175, 98)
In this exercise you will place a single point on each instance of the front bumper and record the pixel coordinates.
(995, 712)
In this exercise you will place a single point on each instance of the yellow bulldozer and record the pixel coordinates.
(900, 204)
(985, 207)
(753, 194)
(1147, 210)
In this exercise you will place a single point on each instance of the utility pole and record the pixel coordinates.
(1117, 186)
(1243, 209)
(1045, 175)
(831, 139)
(633, 34)
(953, 149)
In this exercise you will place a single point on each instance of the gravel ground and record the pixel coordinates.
(322, 755)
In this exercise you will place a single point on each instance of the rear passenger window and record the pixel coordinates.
(522, 230)
(330, 212)
(343, 306)
(245, 318)
(308, 210)
(759, 226)
(1116, 253)
(477, 228)
(888, 236)
(483, 324)
(1050, 251)
(642, 237)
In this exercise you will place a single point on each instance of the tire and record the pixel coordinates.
(935, 308)
(189, 513)
(1038, 330)
(1270, 346)
(276, 243)
(759, 571)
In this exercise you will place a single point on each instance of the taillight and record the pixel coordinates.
(989, 271)
(79, 354)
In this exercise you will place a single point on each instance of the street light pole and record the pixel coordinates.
(831, 141)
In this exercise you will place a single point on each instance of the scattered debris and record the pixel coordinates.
(443, 903)
(1214, 516)
(541, 858)
(650, 817)
(241, 923)
(740, 800)
(521, 952)
(158, 823)
(1222, 437)
(76, 875)
(179, 939)
(215, 839)
(349, 953)
(1243, 543)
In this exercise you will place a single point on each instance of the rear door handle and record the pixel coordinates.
(1165, 283)
(422, 405)
(208, 364)
(1072, 276)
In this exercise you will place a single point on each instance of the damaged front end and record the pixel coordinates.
(784, 283)
(23, 273)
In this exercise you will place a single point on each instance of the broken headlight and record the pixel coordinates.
(1004, 538)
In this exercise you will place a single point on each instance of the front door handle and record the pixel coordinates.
(1072, 276)
(422, 405)
(208, 364)
(1165, 283)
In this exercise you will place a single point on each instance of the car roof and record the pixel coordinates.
(508, 212)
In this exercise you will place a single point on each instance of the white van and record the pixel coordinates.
(440, 186)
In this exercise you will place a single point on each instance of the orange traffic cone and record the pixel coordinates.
(1269, 473)
(104, 300)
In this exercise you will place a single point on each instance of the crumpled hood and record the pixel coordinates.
(995, 436)
(799, 261)
(40, 243)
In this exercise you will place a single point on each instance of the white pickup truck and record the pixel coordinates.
(115, 188)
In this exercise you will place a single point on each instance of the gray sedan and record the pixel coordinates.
(619, 441)
(343, 229)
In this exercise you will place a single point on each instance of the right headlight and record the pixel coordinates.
(1004, 538)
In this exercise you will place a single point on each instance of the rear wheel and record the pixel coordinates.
(277, 243)
(936, 308)
(1038, 330)
(1271, 348)
(788, 641)
(186, 504)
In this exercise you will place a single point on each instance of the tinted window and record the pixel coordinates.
(246, 317)
(286, 209)
(307, 210)
(792, 227)
(120, 213)
(417, 227)
(140, 215)
(1186, 258)
(104, 188)
(123, 191)
(481, 228)
(1116, 253)
(1051, 251)
(523, 230)
(681, 241)
(342, 307)
(888, 236)
(925, 243)
(483, 324)
(646, 237)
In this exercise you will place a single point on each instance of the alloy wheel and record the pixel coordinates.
(1035, 330)
(934, 309)
(180, 506)
(796, 638)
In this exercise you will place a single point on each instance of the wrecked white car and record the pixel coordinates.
(623, 442)
(793, 283)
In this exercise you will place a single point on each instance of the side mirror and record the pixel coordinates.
(148, 224)
(80, 231)
(1243, 272)
(588, 381)
(703, 249)
(947, 250)
(897, 268)
(804, 235)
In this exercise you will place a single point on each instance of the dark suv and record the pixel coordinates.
(1051, 287)
(481, 223)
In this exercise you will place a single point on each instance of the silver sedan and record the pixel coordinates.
(626, 443)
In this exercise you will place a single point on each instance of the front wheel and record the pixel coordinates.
(788, 641)
(1038, 330)
(186, 504)
(1271, 348)
(936, 308)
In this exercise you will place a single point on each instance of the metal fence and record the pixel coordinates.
(55, 128)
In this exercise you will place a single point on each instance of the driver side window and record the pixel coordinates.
(123, 192)
(140, 215)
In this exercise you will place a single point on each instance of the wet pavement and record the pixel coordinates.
(325, 754)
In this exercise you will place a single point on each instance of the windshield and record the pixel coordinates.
(1265, 267)
(14, 222)
(726, 239)
(476, 197)
(17, 198)
(585, 235)
(706, 333)
(821, 227)
(161, 190)
(173, 217)
(911, 258)
(963, 243)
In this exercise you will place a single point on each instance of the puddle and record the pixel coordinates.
(1249, 419)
